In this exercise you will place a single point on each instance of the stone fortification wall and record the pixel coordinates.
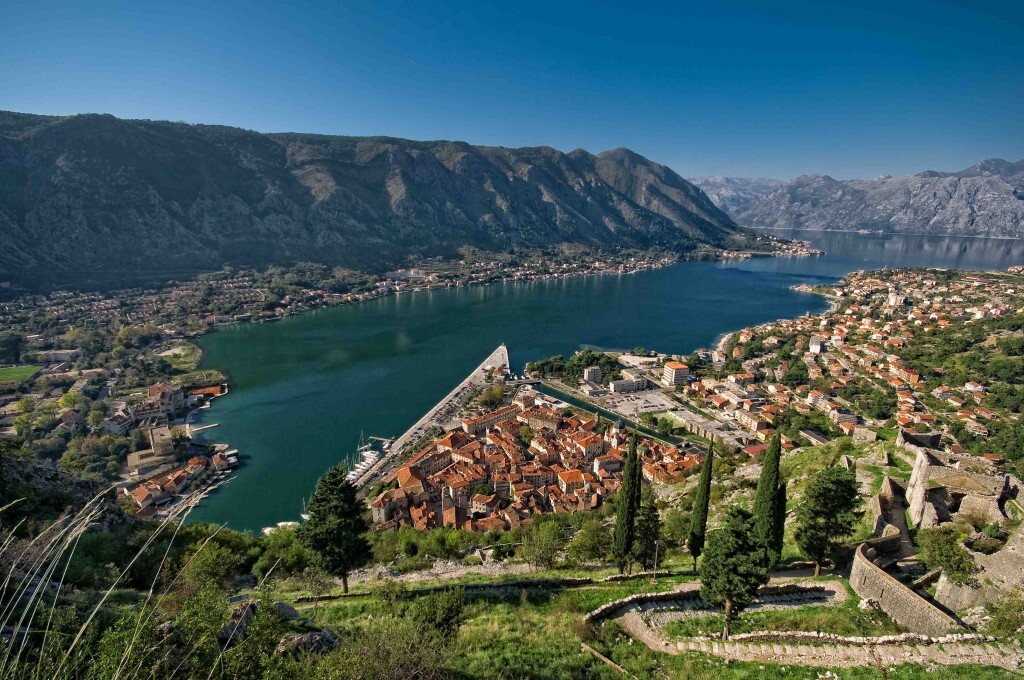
(917, 488)
(691, 591)
(906, 607)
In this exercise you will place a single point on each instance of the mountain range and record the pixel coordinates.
(986, 199)
(733, 194)
(91, 197)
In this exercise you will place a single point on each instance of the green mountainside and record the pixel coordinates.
(90, 198)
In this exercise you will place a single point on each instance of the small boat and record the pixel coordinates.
(280, 525)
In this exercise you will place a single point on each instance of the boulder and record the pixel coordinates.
(316, 642)
(286, 611)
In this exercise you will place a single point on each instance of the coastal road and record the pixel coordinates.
(437, 416)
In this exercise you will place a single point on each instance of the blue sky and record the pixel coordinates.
(737, 88)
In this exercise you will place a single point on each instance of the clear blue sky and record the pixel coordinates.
(771, 89)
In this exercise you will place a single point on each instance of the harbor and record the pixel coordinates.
(438, 417)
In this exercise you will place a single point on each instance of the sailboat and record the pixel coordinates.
(367, 457)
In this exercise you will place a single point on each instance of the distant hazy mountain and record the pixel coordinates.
(734, 194)
(92, 195)
(986, 199)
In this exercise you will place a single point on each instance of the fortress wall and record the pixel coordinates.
(906, 607)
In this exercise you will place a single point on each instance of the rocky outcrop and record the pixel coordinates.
(986, 199)
(997, 574)
(39, 492)
(313, 642)
(83, 196)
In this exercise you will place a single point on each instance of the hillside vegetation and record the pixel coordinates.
(89, 197)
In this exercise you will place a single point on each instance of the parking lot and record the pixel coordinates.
(636, 403)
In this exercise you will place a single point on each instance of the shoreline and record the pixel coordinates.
(861, 232)
(723, 256)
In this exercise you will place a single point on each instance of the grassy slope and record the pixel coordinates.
(18, 373)
(509, 634)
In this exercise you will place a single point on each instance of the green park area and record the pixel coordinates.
(19, 373)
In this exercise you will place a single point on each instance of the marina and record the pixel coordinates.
(437, 417)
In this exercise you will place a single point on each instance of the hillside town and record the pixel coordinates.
(239, 296)
(911, 382)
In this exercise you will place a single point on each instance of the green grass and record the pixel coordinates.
(186, 356)
(207, 377)
(19, 373)
(845, 619)
(509, 634)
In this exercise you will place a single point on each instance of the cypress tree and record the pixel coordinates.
(780, 518)
(625, 512)
(637, 486)
(336, 529)
(732, 570)
(699, 518)
(648, 531)
(766, 512)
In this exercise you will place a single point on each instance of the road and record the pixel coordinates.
(435, 417)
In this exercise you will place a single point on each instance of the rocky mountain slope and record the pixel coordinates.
(91, 196)
(734, 194)
(986, 199)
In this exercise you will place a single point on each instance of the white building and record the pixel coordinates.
(675, 373)
(592, 374)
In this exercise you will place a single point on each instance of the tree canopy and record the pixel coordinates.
(826, 514)
(767, 514)
(701, 502)
(732, 569)
(336, 528)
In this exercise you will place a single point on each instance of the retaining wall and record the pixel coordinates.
(906, 607)
(689, 591)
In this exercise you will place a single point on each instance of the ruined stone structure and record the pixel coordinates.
(902, 604)
(945, 485)
(997, 573)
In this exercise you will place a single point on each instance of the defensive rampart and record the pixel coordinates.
(906, 607)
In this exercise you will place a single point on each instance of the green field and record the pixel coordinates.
(18, 373)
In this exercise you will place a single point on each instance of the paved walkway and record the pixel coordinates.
(643, 620)
(1001, 654)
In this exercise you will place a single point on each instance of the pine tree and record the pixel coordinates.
(699, 518)
(336, 528)
(766, 511)
(732, 570)
(826, 514)
(625, 512)
(648, 532)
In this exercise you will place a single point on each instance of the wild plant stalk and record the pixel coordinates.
(54, 546)
(181, 510)
(43, 567)
(146, 618)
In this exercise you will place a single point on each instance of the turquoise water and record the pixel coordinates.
(305, 387)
